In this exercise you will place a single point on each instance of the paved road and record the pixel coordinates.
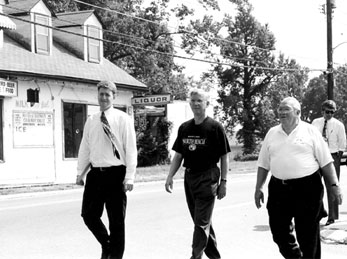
(158, 225)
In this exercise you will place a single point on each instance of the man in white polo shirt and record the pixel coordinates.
(294, 151)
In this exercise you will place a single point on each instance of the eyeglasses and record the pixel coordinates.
(329, 112)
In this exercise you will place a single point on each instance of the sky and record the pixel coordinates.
(299, 28)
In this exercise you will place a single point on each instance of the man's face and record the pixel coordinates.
(198, 104)
(287, 114)
(105, 98)
(328, 113)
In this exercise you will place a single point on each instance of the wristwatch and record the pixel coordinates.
(223, 180)
(334, 185)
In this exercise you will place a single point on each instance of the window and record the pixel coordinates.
(74, 119)
(94, 46)
(42, 37)
(1, 136)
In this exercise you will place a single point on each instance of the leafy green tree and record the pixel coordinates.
(316, 93)
(245, 70)
(288, 83)
(340, 93)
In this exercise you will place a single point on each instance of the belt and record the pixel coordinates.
(197, 170)
(103, 169)
(294, 181)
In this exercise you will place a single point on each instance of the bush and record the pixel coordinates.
(246, 157)
(152, 143)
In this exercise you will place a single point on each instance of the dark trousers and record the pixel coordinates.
(333, 205)
(302, 200)
(105, 188)
(201, 190)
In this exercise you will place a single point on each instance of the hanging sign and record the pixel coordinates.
(159, 99)
(8, 88)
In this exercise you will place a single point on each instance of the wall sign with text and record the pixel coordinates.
(33, 129)
(8, 88)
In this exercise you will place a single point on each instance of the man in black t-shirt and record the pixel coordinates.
(201, 143)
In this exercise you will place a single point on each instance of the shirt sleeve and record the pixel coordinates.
(342, 137)
(224, 146)
(84, 152)
(130, 148)
(264, 156)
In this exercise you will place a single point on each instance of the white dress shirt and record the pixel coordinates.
(296, 155)
(335, 133)
(96, 148)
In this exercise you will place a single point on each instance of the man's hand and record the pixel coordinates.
(169, 184)
(128, 187)
(258, 198)
(337, 194)
(222, 190)
(79, 180)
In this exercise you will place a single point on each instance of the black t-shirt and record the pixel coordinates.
(201, 145)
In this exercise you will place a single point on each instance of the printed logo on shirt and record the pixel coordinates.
(193, 143)
(299, 141)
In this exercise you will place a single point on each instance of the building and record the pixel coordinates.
(49, 67)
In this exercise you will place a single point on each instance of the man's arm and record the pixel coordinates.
(175, 165)
(224, 167)
(259, 194)
(331, 181)
(83, 162)
(341, 140)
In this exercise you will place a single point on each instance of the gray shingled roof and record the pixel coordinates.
(20, 6)
(72, 18)
(62, 64)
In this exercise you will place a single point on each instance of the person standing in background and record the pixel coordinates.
(108, 146)
(333, 132)
(201, 142)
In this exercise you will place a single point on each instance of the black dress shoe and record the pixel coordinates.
(329, 222)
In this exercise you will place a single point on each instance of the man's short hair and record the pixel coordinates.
(329, 104)
(292, 102)
(108, 85)
(201, 92)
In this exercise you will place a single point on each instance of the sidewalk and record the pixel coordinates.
(335, 233)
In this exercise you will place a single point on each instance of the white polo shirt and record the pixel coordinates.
(296, 155)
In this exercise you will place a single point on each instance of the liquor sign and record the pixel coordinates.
(8, 88)
(159, 99)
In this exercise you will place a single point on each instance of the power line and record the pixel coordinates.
(146, 20)
(159, 52)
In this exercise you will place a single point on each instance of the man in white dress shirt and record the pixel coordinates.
(108, 147)
(333, 131)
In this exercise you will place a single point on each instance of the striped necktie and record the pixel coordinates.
(324, 132)
(110, 135)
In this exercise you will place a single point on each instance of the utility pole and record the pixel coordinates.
(330, 4)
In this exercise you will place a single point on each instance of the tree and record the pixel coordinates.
(288, 83)
(316, 94)
(245, 70)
